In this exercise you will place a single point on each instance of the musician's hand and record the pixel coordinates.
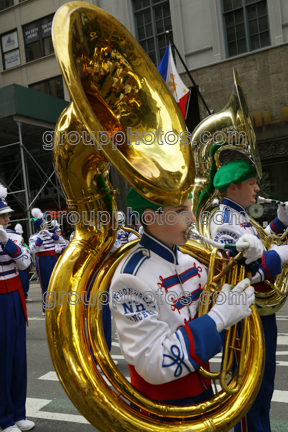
(42, 234)
(45, 231)
(254, 250)
(282, 213)
(233, 305)
(3, 235)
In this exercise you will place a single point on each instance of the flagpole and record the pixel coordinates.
(186, 69)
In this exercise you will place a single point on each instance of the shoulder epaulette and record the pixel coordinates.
(134, 261)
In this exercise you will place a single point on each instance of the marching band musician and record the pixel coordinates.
(155, 295)
(237, 183)
(13, 317)
(43, 244)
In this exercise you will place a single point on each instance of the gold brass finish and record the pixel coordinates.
(116, 87)
(272, 301)
(113, 85)
(231, 274)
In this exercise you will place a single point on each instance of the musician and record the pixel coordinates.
(154, 299)
(43, 244)
(237, 183)
(13, 317)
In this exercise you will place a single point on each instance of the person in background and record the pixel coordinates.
(23, 274)
(13, 318)
(43, 245)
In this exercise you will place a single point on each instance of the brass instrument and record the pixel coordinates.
(114, 85)
(262, 200)
(229, 135)
(232, 273)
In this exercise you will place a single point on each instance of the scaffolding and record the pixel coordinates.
(22, 125)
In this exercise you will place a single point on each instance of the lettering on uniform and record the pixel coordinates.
(227, 233)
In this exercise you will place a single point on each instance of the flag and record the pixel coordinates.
(168, 71)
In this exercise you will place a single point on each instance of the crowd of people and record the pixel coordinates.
(164, 345)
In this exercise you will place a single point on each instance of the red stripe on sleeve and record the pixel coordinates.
(17, 253)
(192, 347)
(273, 228)
(265, 267)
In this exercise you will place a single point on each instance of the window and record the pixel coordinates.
(153, 19)
(52, 86)
(10, 50)
(246, 24)
(38, 40)
(4, 4)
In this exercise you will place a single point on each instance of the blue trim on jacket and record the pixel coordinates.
(148, 241)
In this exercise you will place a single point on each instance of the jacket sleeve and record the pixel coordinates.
(275, 227)
(158, 354)
(19, 254)
(32, 243)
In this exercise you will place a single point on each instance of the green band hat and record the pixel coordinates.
(139, 203)
(233, 172)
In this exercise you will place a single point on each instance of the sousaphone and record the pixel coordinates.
(114, 86)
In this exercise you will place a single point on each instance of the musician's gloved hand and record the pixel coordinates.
(282, 213)
(3, 236)
(47, 232)
(230, 308)
(254, 250)
(42, 234)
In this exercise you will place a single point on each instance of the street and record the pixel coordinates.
(50, 408)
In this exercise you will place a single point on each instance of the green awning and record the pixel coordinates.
(19, 100)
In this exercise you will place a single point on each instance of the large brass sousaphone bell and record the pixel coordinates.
(114, 86)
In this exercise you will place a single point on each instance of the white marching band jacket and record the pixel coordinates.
(154, 299)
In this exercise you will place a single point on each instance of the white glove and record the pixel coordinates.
(252, 246)
(47, 232)
(282, 251)
(232, 305)
(3, 236)
(42, 234)
(282, 213)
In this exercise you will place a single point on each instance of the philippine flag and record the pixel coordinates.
(170, 75)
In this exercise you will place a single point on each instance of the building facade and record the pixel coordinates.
(212, 36)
